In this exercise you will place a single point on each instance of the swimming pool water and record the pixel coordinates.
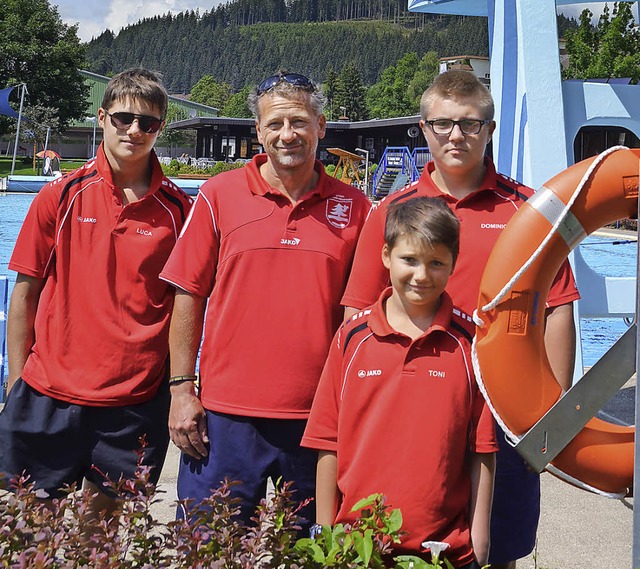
(610, 257)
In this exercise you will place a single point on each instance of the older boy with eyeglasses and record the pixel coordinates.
(267, 252)
(88, 326)
(457, 123)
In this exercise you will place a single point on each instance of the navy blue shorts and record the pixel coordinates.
(516, 506)
(59, 443)
(249, 450)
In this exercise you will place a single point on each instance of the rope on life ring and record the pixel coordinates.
(510, 328)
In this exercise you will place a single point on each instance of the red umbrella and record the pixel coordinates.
(48, 154)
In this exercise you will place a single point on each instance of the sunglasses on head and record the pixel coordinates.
(292, 78)
(146, 123)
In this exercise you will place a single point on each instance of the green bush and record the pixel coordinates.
(57, 533)
(330, 169)
(175, 168)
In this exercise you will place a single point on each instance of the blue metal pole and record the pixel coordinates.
(529, 142)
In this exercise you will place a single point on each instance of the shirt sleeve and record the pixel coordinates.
(194, 259)
(34, 249)
(322, 426)
(563, 289)
(368, 277)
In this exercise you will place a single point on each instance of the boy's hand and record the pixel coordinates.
(188, 421)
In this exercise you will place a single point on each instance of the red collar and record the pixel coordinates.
(104, 169)
(380, 325)
(489, 182)
(259, 186)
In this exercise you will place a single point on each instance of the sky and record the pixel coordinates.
(95, 16)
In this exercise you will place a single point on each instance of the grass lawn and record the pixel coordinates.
(23, 169)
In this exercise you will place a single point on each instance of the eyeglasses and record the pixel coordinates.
(146, 123)
(294, 79)
(467, 126)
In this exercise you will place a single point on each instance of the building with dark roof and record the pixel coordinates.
(224, 138)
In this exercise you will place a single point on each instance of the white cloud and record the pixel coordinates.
(95, 16)
(574, 10)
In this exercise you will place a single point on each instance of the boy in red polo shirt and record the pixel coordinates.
(457, 114)
(88, 322)
(398, 411)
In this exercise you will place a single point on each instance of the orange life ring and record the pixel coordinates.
(519, 384)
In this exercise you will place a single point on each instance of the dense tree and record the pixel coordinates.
(427, 70)
(185, 47)
(237, 105)
(36, 48)
(399, 90)
(175, 138)
(39, 124)
(610, 49)
(566, 24)
(209, 92)
(330, 88)
(350, 96)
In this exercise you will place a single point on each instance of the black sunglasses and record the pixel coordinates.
(292, 78)
(146, 123)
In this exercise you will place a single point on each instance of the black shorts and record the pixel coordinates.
(58, 443)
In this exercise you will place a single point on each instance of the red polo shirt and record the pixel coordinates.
(402, 416)
(482, 214)
(101, 328)
(274, 273)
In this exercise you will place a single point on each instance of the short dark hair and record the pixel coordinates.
(457, 84)
(427, 221)
(137, 84)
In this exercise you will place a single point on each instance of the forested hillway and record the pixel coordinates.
(238, 43)
(242, 41)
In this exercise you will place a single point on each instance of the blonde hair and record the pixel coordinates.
(457, 84)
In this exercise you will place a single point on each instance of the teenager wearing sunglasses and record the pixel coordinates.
(89, 318)
(270, 247)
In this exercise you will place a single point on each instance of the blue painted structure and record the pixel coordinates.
(33, 184)
(395, 169)
(4, 290)
(596, 103)
(27, 184)
(533, 103)
(421, 155)
(531, 100)
(530, 143)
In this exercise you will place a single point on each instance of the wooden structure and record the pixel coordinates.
(349, 163)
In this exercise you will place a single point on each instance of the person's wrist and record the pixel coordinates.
(176, 379)
(183, 387)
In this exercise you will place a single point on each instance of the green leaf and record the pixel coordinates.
(365, 502)
(363, 545)
(310, 547)
(409, 561)
(395, 521)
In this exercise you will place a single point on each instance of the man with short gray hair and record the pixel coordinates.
(267, 251)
